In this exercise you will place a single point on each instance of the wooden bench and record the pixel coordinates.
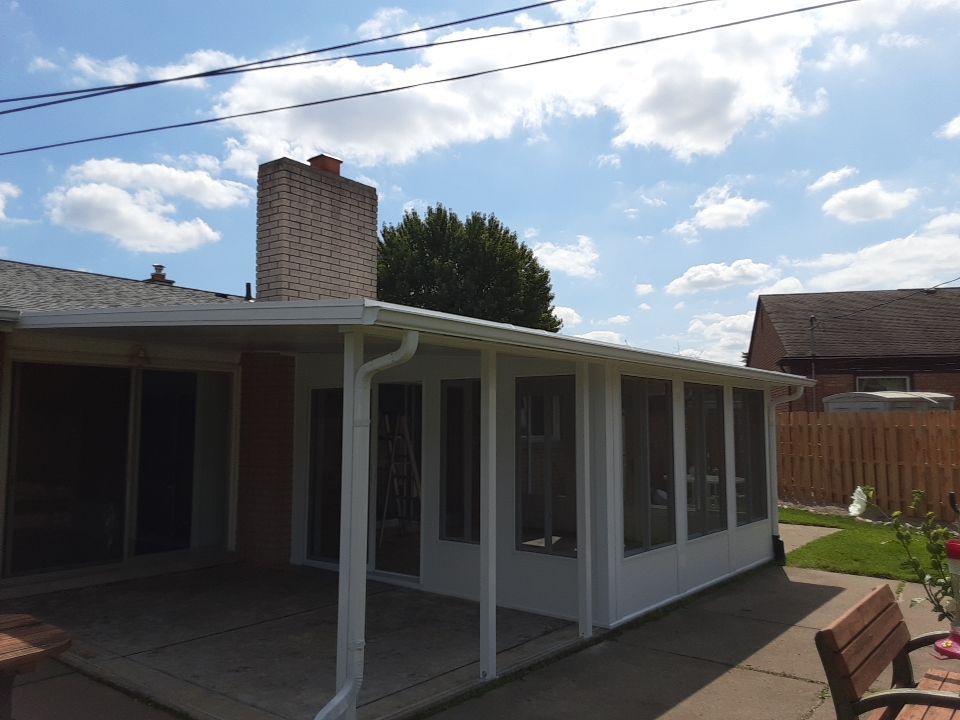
(24, 641)
(857, 647)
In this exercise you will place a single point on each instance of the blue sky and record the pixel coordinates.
(664, 185)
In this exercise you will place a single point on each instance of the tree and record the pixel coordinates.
(476, 268)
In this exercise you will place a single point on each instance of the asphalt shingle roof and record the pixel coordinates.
(881, 323)
(38, 287)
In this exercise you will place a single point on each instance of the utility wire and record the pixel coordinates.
(426, 83)
(223, 72)
(104, 89)
(819, 323)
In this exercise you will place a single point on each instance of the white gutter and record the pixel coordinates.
(353, 554)
(772, 460)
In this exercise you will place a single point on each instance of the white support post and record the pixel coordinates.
(488, 514)
(584, 533)
(352, 360)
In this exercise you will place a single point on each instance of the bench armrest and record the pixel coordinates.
(885, 698)
(926, 639)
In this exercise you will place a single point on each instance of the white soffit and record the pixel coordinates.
(372, 313)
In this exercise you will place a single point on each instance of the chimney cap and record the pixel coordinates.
(159, 276)
(326, 163)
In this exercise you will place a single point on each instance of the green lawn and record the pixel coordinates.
(860, 548)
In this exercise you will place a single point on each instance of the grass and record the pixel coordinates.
(859, 548)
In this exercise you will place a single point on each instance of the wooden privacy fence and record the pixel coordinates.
(822, 457)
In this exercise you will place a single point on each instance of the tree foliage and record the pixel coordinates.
(476, 268)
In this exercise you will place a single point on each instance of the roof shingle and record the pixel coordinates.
(37, 287)
(868, 323)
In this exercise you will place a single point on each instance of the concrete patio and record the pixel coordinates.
(246, 643)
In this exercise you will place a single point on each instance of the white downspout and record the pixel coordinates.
(354, 554)
(774, 482)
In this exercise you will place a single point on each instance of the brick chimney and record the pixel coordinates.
(316, 232)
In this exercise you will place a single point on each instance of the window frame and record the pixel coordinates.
(866, 378)
(549, 439)
(699, 482)
(756, 451)
(644, 481)
(467, 385)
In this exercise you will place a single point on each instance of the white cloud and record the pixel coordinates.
(868, 202)
(388, 21)
(618, 320)
(951, 130)
(652, 201)
(718, 210)
(130, 202)
(642, 289)
(569, 316)
(574, 260)
(197, 185)
(530, 233)
(834, 177)
(611, 160)
(921, 259)
(138, 222)
(787, 285)
(900, 40)
(7, 190)
(840, 53)
(644, 307)
(717, 337)
(41, 64)
(607, 336)
(117, 71)
(192, 63)
(680, 305)
(416, 205)
(689, 97)
(714, 276)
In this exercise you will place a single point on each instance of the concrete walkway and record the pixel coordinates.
(744, 650)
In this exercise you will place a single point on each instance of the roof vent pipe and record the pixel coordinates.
(158, 276)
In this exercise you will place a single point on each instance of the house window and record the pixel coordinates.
(880, 383)
(108, 462)
(706, 476)
(460, 460)
(749, 442)
(326, 462)
(546, 465)
(648, 515)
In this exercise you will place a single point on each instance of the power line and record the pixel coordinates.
(104, 89)
(887, 302)
(425, 83)
(75, 95)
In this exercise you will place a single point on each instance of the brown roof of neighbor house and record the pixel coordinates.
(37, 287)
(868, 323)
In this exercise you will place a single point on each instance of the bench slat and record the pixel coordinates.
(865, 644)
(844, 629)
(934, 679)
(864, 676)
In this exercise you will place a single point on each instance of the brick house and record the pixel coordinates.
(865, 340)
(317, 426)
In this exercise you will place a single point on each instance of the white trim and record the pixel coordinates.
(687, 593)
(730, 467)
(354, 312)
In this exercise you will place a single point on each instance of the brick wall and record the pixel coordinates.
(265, 485)
(943, 382)
(316, 234)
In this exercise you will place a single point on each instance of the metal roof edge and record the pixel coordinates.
(428, 321)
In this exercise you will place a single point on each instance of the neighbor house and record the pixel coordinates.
(865, 340)
(318, 426)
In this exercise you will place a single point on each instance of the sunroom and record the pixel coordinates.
(512, 467)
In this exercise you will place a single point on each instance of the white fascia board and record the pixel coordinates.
(334, 312)
(485, 332)
(8, 318)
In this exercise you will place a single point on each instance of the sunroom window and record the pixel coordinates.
(706, 476)
(546, 465)
(749, 441)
